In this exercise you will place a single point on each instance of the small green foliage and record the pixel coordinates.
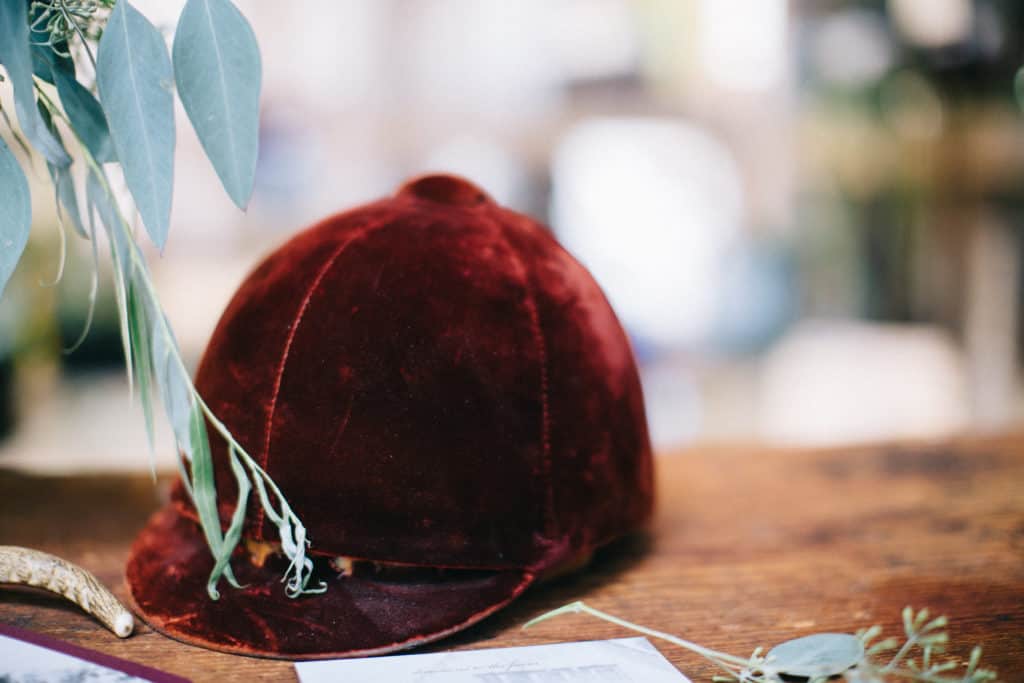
(55, 23)
(819, 658)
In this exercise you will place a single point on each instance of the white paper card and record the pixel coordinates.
(31, 663)
(624, 660)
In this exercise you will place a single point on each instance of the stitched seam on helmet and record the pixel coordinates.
(279, 376)
(542, 353)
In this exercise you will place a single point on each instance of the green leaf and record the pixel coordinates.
(16, 56)
(44, 60)
(138, 326)
(234, 532)
(103, 204)
(908, 620)
(975, 659)
(134, 75)
(16, 135)
(217, 69)
(204, 491)
(41, 67)
(822, 654)
(63, 182)
(93, 284)
(86, 116)
(173, 385)
(15, 213)
(175, 388)
(64, 188)
(121, 242)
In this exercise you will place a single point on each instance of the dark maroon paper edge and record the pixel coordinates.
(109, 661)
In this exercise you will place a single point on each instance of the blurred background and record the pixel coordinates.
(807, 214)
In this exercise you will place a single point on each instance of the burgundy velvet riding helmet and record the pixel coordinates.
(447, 400)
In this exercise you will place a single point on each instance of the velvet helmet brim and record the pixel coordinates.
(357, 616)
(433, 383)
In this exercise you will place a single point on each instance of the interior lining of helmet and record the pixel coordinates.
(390, 572)
(341, 567)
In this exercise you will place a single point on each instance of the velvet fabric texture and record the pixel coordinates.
(432, 381)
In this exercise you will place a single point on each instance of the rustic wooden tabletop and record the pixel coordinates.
(749, 546)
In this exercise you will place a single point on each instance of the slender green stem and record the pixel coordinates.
(78, 30)
(94, 283)
(901, 653)
(62, 259)
(707, 653)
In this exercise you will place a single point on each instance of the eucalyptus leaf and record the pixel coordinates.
(47, 119)
(218, 73)
(86, 116)
(821, 654)
(93, 282)
(103, 204)
(16, 135)
(121, 243)
(40, 65)
(138, 326)
(234, 532)
(16, 56)
(204, 491)
(43, 61)
(15, 213)
(67, 198)
(173, 386)
(133, 71)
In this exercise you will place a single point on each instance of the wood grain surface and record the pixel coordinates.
(749, 546)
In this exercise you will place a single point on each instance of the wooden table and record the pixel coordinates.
(750, 546)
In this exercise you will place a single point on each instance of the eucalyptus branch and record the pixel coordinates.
(128, 119)
(292, 532)
(820, 657)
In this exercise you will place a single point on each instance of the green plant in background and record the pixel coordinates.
(821, 657)
(93, 89)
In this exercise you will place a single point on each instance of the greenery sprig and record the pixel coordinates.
(126, 118)
(60, 21)
(819, 658)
